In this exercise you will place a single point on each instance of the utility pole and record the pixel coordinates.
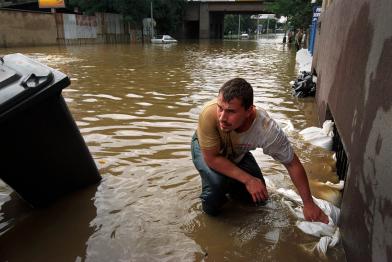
(239, 26)
(267, 25)
(152, 23)
(285, 31)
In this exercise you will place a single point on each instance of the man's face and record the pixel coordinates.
(232, 114)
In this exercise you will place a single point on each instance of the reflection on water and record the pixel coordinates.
(137, 108)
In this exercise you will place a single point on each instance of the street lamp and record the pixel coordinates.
(152, 21)
(239, 26)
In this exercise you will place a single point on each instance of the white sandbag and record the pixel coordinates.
(321, 137)
(317, 229)
(328, 233)
(338, 186)
(327, 129)
(310, 130)
(304, 60)
(322, 141)
(330, 210)
(326, 241)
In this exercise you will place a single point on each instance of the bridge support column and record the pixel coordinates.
(204, 21)
(216, 25)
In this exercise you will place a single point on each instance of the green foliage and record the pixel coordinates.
(298, 12)
(133, 10)
(231, 24)
(248, 25)
(91, 6)
(167, 13)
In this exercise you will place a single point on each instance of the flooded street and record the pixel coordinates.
(137, 108)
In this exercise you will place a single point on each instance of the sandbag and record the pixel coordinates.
(329, 233)
(321, 137)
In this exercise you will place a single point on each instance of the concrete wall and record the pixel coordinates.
(26, 28)
(353, 61)
(18, 28)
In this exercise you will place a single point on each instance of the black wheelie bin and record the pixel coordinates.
(42, 153)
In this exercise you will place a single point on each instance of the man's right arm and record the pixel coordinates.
(217, 162)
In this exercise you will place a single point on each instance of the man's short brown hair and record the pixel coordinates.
(238, 88)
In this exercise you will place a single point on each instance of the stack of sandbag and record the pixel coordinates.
(304, 85)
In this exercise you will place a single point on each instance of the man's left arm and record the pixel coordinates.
(298, 175)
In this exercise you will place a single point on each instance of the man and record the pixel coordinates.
(298, 39)
(229, 127)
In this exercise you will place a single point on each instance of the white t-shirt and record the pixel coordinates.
(264, 133)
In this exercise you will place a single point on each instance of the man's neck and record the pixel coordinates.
(248, 122)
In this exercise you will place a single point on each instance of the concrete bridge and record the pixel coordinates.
(204, 19)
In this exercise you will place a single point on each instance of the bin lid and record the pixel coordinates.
(22, 77)
(7, 76)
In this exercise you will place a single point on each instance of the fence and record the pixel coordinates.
(29, 28)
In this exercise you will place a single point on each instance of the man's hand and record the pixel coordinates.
(256, 189)
(314, 214)
(298, 175)
(254, 185)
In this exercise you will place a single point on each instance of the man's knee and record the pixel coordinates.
(212, 202)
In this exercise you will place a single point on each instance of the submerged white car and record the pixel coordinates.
(244, 36)
(163, 39)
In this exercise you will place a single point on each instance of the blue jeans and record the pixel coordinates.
(215, 186)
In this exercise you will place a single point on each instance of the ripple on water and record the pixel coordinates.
(138, 125)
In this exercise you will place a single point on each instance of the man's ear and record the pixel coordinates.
(249, 111)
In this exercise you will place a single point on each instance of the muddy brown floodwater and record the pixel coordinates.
(137, 107)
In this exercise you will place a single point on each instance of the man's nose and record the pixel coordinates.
(222, 116)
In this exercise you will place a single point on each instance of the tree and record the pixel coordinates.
(91, 6)
(133, 10)
(298, 12)
(167, 13)
(231, 24)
